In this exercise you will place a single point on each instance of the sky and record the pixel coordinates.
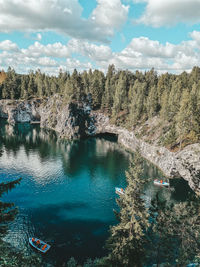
(54, 35)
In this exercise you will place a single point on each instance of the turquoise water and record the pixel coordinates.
(66, 196)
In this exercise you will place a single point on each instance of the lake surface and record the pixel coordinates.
(67, 196)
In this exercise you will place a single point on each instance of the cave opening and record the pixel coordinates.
(108, 136)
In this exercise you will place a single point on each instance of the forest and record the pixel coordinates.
(144, 236)
(130, 99)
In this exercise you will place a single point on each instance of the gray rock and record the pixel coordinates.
(75, 120)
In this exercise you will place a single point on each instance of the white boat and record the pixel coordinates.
(119, 191)
(161, 183)
(39, 244)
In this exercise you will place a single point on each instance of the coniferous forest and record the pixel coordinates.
(130, 99)
(161, 233)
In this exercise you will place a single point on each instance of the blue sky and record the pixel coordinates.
(131, 34)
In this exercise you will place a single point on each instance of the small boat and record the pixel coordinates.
(119, 191)
(161, 183)
(39, 244)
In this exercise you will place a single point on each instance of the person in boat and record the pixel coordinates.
(38, 243)
(33, 240)
(43, 248)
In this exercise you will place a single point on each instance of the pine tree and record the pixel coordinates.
(7, 212)
(107, 99)
(152, 102)
(162, 244)
(24, 85)
(137, 108)
(86, 78)
(77, 86)
(121, 94)
(175, 98)
(185, 118)
(175, 232)
(39, 83)
(31, 85)
(97, 88)
(128, 238)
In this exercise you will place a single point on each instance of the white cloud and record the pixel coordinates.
(110, 13)
(63, 16)
(7, 45)
(169, 12)
(72, 64)
(46, 61)
(91, 51)
(195, 36)
(39, 37)
(52, 50)
(141, 53)
(139, 1)
(146, 47)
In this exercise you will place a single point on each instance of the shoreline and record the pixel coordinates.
(73, 121)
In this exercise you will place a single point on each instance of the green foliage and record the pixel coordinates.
(11, 257)
(163, 233)
(137, 95)
(7, 212)
(71, 262)
(175, 232)
(121, 94)
(96, 88)
(128, 238)
(88, 263)
(169, 138)
(128, 98)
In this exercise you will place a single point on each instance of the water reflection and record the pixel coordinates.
(67, 195)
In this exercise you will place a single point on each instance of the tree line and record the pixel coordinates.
(128, 98)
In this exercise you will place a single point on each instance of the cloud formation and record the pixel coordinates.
(141, 53)
(63, 16)
(170, 12)
(7, 45)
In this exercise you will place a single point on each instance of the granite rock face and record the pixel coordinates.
(76, 120)
(185, 163)
(70, 120)
(20, 111)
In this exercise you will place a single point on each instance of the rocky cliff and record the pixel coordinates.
(185, 163)
(72, 120)
(20, 111)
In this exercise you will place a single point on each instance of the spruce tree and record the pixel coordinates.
(107, 99)
(152, 102)
(97, 88)
(185, 118)
(7, 212)
(137, 109)
(128, 238)
(121, 94)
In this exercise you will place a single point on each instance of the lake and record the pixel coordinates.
(67, 193)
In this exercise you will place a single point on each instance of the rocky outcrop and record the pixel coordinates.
(185, 163)
(20, 111)
(72, 120)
